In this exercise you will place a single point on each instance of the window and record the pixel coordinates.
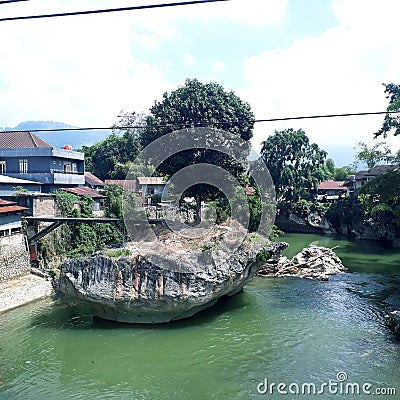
(67, 167)
(23, 165)
(74, 167)
(2, 167)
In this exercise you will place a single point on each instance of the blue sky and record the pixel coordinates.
(285, 57)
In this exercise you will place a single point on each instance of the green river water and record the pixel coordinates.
(285, 330)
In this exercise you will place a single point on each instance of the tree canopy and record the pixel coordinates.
(113, 156)
(391, 120)
(295, 165)
(196, 105)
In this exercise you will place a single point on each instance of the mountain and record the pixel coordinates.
(76, 139)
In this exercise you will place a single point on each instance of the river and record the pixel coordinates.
(284, 330)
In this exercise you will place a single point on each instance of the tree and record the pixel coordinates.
(194, 105)
(391, 120)
(381, 198)
(372, 156)
(111, 157)
(295, 165)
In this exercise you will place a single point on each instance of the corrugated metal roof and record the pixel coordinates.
(6, 209)
(82, 191)
(24, 140)
(128, 184)
(331, 185)
(93, 180)
(151, 180)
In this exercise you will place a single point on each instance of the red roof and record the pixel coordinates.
(250, 191)
(24, 140)
(6, 209)
(331, 185)
(128, 184)
(6, 203)
(93, 180)
(82, 191)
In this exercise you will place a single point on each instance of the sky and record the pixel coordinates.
(286, 58)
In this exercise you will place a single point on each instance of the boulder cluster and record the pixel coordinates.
(313, 262)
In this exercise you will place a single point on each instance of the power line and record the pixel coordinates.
(201, 124)
(11, 1)
(109, 10)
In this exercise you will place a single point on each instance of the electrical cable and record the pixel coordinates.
(202, 124)
(109, 10)
(11, 1)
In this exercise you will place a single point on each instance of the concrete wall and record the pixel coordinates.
(14, 258)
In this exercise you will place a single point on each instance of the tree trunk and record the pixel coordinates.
(197, 213)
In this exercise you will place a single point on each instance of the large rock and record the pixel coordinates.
(313, 262)
(173, 280)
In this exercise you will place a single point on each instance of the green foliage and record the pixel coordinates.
(302, 208)
(193, 104)
(113, 156)
(276, 233)
(295, 165)
(196, 103)
(118, 253)
(348, 210)
(264, 256)
(372, 156)
(380, 197)
(80, 238)
(391, 121)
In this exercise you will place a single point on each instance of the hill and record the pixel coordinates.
(76, 139)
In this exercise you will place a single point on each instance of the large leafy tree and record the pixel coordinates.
(295, 164)
(196, 104)
(391, 120)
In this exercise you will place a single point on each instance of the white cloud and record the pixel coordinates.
(218, 66)
(189, 60)
(339, 71)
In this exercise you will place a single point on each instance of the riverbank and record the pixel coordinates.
(22, 290)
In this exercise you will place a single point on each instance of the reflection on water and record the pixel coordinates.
(287, 330)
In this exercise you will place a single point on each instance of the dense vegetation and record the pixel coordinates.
(79, 239)
(295, 164)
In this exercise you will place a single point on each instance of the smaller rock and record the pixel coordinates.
(313, 262)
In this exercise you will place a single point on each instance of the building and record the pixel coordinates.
(98, 199)
(10, 222)
(10, 186)
(93, 182)
(331, 190)
(24, 155)
(148, 186)
(143, 186)
(362, 177)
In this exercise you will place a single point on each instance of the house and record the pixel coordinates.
(98, 199)
(24, 155)
(129, 185)
(148, 186)
(362, 177)
(92, 181)
(331, 190)
(10, 222)
(143, 186)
